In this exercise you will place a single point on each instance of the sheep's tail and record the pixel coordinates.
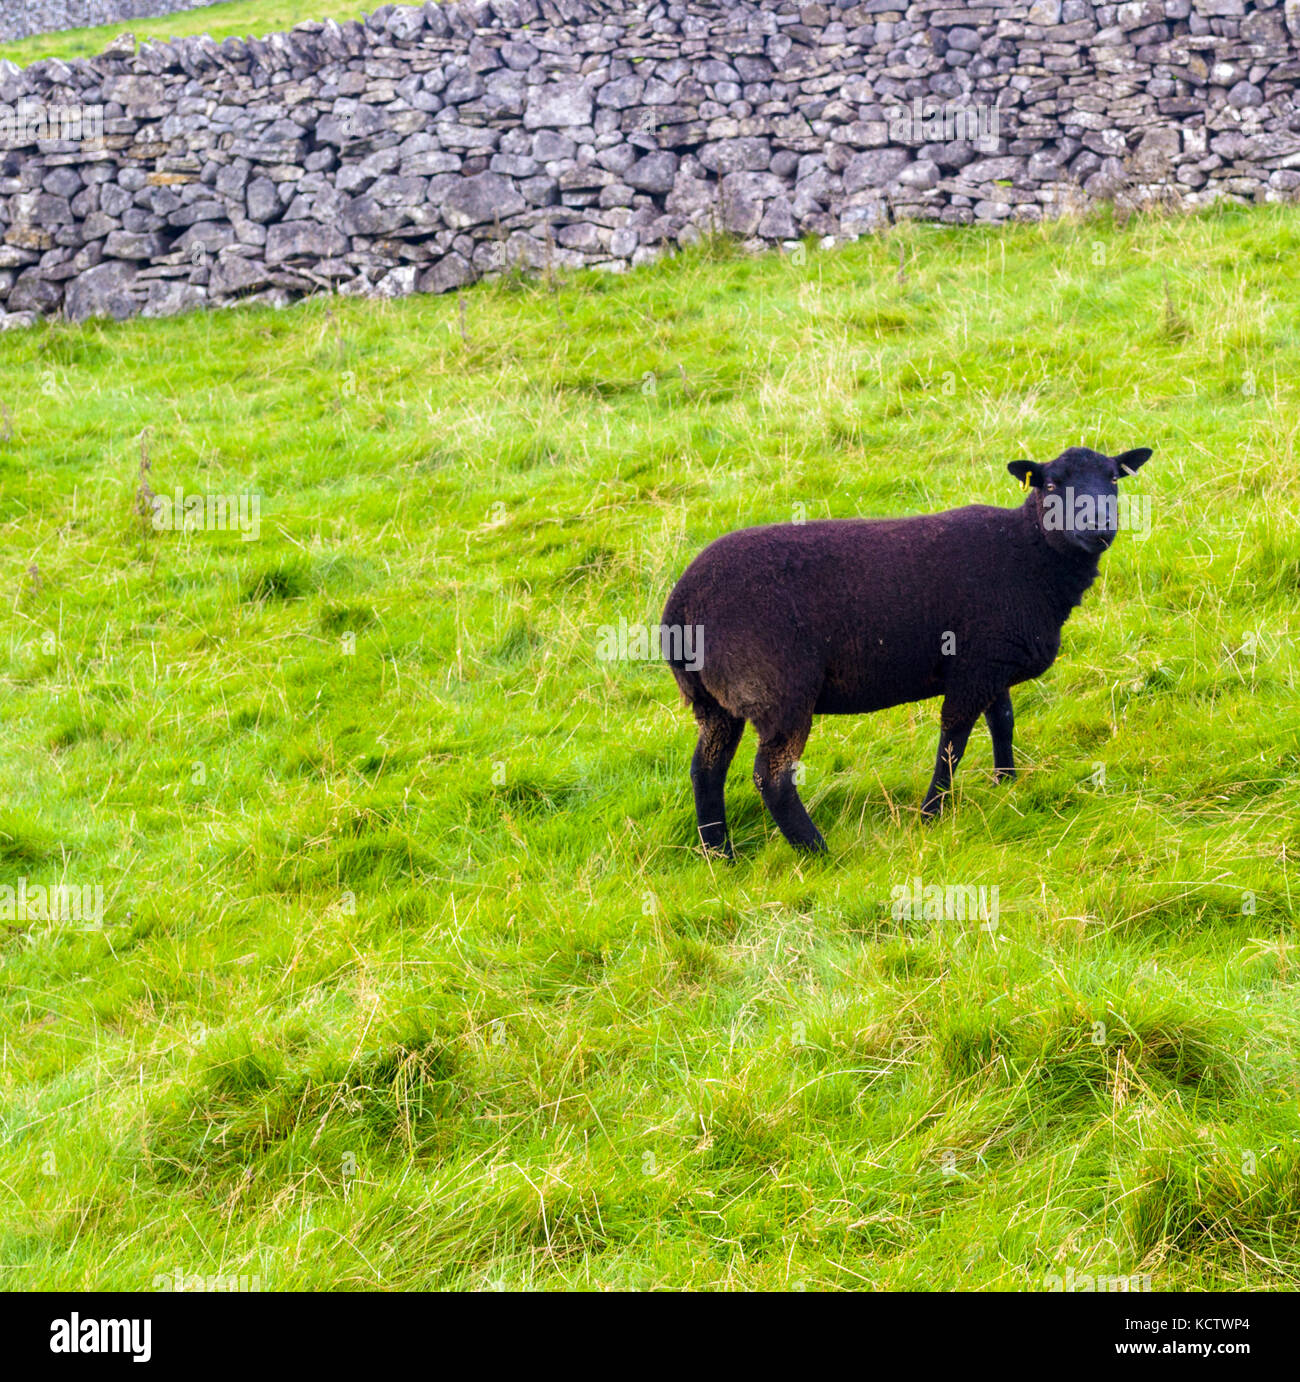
(692, 688)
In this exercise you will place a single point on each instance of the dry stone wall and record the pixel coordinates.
(425, 147)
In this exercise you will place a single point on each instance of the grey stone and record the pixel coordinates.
(302, 240)
(778, 222)
(62, 182)
(1156, 153)
(113, 200)
(34, 291)
(618, 158)
(864, 217)
(549, 146)
(123, 244)
(232, 178)
(623, 243)
(579, 236)
(101, 292)
(40, 209)
(405, 23)
(621, 93)
(394, 190)
(452, 271)
(521, 55)
(263, 200)
(745, 153)
(428, 163)
(758, 186)
(97, 224)
(1245, 95)
(922, 174)
(131, 90)
(995, 169)
(365, 216)
(206, 237)
(171, 298)
(558, 105)
(690, 195)
(484, 197)
(233, 275)
(541, 190)
(198, 211)
(655, 173)
(1045, 166)
(741, 215)
(874, 168)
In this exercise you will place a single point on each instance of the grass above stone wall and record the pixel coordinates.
(410, 974)
(239, 18)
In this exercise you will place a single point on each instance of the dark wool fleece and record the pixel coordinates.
(846, 616)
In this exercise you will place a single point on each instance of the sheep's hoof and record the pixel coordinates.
(816, 845)
(1004, 775)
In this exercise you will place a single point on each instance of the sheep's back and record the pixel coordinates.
(849, 611)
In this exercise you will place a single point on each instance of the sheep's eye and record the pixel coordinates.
(1051, 487)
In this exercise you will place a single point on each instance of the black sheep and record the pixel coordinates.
(845, 616)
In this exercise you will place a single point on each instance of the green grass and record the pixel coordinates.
(410, 974)
(238, 17)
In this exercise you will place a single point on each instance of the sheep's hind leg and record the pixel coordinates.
(1001, 721)
(954, 730)
(720, 733)
(774, 770)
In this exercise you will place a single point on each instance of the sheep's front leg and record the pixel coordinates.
(954, 730)
(774, 768)
(1001, 721)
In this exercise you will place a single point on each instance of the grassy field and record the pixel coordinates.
(409, 973)
(239, 17)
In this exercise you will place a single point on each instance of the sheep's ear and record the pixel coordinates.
(1130, 461)
(1026, 472)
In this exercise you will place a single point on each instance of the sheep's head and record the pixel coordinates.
(1076, 496)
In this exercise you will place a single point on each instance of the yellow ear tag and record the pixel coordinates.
(1024, 484)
